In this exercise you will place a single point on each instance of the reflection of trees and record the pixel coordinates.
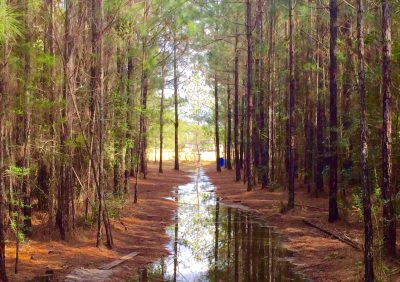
(228, 244)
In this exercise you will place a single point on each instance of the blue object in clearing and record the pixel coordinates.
(221, 162)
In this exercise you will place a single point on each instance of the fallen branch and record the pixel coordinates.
(347, 241)
(117, 262)
(123, 224)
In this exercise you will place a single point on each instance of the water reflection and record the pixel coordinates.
(213, 242)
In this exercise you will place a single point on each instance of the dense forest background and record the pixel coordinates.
(301, 92)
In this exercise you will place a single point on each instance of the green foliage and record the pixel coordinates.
(115, 206)
(17, 231)
(10, 26)
(396, 51)
(310, 66)
(17, 171)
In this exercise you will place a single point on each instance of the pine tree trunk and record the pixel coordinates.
(3, 199)
(50, 85)
(145, 88)
(389, 217)
(176, 166)
(249, 101)
(333, 156)
(62, 217)
(143, 120)
(262, 118)
(216, 122)
(292, 95)
(366, 183)
(130, 167)
(97, 90)
(160, 167)
(229, 133)
(308, 124)
(320, 123)
(258, 103)
(242, 140)
(236, 112)
(271, 85)
(24, 137)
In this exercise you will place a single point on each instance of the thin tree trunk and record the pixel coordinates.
(50, 71)
(308, 125)
(333, 156)
(242, 129)
(292, 95)
(160, 167)
(229, 133)
(118, 140)
(3, 197)
(216, 121)
(64, 184)
(143, 115)
(236, 111)
(271, 56)
(389, 217)
(24, 160)
(263, 118)
(258, 91)
(320, 123)
(145, 87)
(249, 102)
(176, 166)
(97, 89)
(368, 228)
(129, 134)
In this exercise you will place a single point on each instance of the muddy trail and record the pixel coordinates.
(211, 241)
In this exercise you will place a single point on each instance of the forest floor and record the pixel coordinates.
(318, 256)
(140, 228)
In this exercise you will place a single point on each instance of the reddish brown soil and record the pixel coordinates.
(141, 228)
(318, 256)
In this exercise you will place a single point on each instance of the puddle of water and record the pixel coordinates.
(214, 242)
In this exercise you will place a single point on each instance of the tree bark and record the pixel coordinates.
(308, 114)
(50, 85)
(292, 96)
(62, 217)
(236, 111)
(320, 122)
(389, 217)
(176, 166)
(23, 140)
(249, 100)
(216, 121)
(229, 133)
(263, 106)
(97, 90)
(160, 167)
(130, 151)
(145, 88)
(333, 158)
(366, 184)
(271, 85)
(3, 197)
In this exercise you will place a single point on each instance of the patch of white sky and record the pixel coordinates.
(195, 94)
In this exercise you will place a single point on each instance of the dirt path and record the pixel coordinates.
(319, 257)
(141, 228)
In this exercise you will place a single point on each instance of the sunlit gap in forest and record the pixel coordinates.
(196, 114)
(217, 140)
